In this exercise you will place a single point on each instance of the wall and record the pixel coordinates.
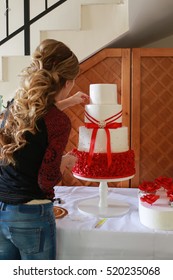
(164, 43)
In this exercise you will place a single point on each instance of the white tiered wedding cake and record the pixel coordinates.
(103, 150)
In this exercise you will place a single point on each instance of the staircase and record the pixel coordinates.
(85, 25)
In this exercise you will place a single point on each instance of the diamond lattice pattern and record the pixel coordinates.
(156, 131)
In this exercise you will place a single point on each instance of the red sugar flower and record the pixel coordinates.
(170, 197)
(122, 165)
(149, 198)
(149, 187)
(164, 182)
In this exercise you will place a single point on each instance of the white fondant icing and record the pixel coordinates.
(103, 94)
(119, 140)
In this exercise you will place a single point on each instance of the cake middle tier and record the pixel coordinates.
(103, 112)
(118, 140)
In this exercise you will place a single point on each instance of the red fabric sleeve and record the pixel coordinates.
(58, 130)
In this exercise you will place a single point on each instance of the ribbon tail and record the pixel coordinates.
(109, 156)
(92, 145)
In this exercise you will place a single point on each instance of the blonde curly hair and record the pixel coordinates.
(53, 63)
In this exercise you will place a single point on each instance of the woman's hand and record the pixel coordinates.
(68, 161)
(78, 98)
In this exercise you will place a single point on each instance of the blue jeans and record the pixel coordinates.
(27, 232)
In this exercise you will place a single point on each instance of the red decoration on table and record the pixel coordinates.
(170, 197)
(165, 182)
(150, 198)
(148, 187)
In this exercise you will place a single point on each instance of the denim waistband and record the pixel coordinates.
(26, 208)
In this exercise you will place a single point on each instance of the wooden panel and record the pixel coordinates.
(107, 66)
(152, 117)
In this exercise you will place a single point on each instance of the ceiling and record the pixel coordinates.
(149, 21)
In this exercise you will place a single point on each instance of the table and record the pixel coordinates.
(119, 238)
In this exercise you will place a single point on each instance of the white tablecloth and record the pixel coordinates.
(122, 237)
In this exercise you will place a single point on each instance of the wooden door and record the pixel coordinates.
(106, 66)
(152, 113)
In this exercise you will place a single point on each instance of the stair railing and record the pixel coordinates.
(27, 22)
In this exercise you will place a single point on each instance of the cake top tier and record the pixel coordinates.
(103, 94)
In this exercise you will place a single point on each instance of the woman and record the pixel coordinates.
(32, 141)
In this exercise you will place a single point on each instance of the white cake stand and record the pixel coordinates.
(102, 206)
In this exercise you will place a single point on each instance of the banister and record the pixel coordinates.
(27, 22)
(27, 27)
(7, 18)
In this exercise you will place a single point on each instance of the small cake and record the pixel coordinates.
(156, 204)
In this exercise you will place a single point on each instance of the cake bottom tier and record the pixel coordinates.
(123, 165)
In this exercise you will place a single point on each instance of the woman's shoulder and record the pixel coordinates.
(54, 113)
(56, 118)
(53, 110)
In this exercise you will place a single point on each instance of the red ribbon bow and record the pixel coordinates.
(106, 124)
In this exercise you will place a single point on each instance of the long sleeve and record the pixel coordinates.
(58, 130)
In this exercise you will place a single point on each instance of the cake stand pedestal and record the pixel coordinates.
(102, 206)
